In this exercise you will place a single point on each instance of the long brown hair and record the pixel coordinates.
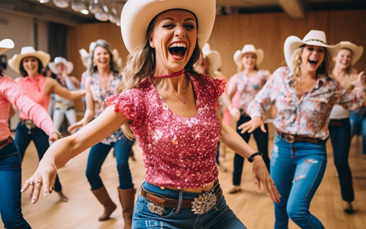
(113, 65)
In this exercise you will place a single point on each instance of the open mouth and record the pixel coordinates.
(314, 62)
(178, 50)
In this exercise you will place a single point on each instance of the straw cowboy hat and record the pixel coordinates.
(85, 55)
(213, 57)
(28, 51)
(60, 60)
(6, 44)
(249, 48)
(137, 15)
(314, 37)
(356, 50)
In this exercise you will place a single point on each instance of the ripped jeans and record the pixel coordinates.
(297, 169)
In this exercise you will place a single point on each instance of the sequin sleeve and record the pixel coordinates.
(130, 103)
(214, 86)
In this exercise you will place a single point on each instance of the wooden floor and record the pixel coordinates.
(255, 210)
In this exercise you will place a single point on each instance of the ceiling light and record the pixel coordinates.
(114, 15)
(103, 16)
(61, 3)
(43, 1)
(79, 5)
(95, 7)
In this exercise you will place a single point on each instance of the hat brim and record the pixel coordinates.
(69, 66)
(6, 44)
(238, 55)
(293, 42)
(215, 59)
(137, 15)
(14, 62)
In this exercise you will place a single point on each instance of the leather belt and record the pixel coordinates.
(291, 138)
(5, 142)
(168, 202)
(28, 123)
(335, 122)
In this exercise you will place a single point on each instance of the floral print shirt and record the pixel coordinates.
(248, 87)
(308, 115)
(99, 96)
(177, 151)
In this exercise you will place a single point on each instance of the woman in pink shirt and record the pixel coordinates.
(10, 162)
(29, 63)
(173, 113)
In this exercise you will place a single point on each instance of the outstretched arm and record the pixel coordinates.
(63, 150)
(260, 172)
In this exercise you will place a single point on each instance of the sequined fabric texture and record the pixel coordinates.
(177, 151)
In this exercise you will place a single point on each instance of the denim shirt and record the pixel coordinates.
(307, 115)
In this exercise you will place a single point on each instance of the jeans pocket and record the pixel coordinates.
(147, 209)
(220, 204)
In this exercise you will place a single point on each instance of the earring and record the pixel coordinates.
(299, 61)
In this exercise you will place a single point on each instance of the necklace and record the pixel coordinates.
(185, 94)
(171, 74)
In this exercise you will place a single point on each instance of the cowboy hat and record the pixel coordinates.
(6, 44)
(136, 16)
(28, 51)
(60, 60)
(313, 37)
(85, 55)
(213, 57)
(249, 48)
(356, 50)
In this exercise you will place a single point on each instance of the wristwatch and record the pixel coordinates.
(250, 159)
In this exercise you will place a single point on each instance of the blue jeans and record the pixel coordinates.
(261, 139)
(297, 169)
(358, 120)
(23, 137)
(340, 137)
(220, 216)
(97, 156)
(10, 183)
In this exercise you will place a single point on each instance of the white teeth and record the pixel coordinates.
(182, 45)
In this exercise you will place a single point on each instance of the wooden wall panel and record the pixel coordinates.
(267, 31)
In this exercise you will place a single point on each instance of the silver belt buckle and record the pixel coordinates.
(29, 124)
(289, 138)
(204, 203)
(154, 208)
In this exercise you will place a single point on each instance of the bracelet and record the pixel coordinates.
(251, 157)
(57, 132)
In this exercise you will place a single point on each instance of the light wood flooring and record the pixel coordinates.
(254, 209)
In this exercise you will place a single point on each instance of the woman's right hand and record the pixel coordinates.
(45, 175)
(76, 125)
(251, 125)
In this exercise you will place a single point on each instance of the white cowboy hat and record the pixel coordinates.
(85, 55)
(6, 44)
(313, 37)
(28, 51)
(249, 48)
(356, 50)
(136, 16)
(60, 60)
(213, 57)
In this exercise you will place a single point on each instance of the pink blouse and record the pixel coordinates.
(35, 88)
(11, 92)
(177, 151)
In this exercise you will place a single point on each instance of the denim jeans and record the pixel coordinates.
(358, 120)
(297, 169)
(97, 156)
(220, 216)
(10, 183)
(23, 137)
(261, 139)
(340, 137)
(59, 115)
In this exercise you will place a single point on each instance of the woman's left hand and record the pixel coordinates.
(261, 175)
(54, 136)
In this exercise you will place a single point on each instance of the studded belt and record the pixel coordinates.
(291, 138)
(200, 205)
(5, 142)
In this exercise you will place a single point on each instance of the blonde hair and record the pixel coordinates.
(296, 63)
(348, 77)
(241, 68)
(140, 65)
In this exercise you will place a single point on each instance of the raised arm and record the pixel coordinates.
(65, 149)
(52, 86)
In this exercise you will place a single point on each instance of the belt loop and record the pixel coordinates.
(180, 201)
(139, 190)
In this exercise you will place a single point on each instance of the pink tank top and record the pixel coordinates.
(35, 88)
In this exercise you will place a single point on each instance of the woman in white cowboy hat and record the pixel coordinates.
(248, 81)
(64, 107)
(105, 77)
(29, 63)
(172, 112)
(209, 64)
(339, 124)
(304, 95)
(10, 165)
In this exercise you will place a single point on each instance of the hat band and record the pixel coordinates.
(316, 40)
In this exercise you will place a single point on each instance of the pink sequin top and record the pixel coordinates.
(177, 151)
